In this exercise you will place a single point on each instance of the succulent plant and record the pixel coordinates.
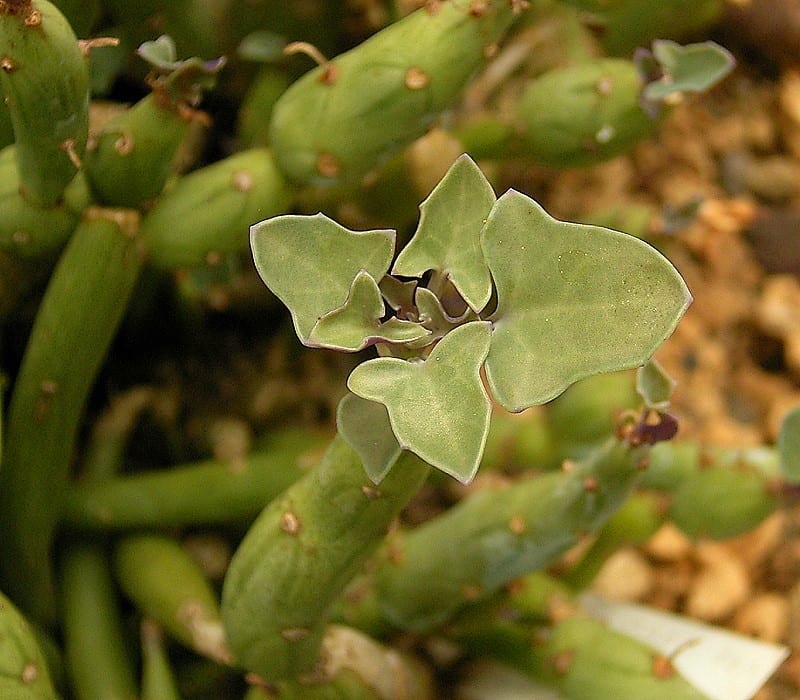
(491, 336)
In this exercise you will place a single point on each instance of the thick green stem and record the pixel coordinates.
(98, 657)
(82, 307)
(130, 159)
(301, 553)
(98, 661)
(633, 524)
(158, 681)
(715, 492)
(45, 83)
(160, 577)
(497, 535)
(394, 86)
(584, 659)
(23, 668)
(207, 492)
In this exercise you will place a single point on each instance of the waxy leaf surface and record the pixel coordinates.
(357, 323)
(365, 426)
(438, 408)
(310, 262)
(573, 300)
(448, 236)
(654, 385)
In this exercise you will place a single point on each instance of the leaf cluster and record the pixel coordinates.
(487, 288)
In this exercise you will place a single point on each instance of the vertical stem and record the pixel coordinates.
(78, 318)
(99, 664)
(301, 553)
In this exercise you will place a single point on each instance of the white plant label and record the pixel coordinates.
(719, 663)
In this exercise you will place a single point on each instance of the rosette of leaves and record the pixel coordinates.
(489, 295)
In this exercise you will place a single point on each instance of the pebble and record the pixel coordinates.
(668, 544)
(765, 617)
(626, 575)
(720, 587)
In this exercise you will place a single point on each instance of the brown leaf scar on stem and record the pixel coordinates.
(290, 523)
(47, 390)
(295, 634)
(33, 18)
(517, 525)
(328, 165)
(30, 673)
(562, 662)
(416, 78)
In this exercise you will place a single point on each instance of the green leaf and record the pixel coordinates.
(399, 295)
(438, 408)
(365, 426)
(789, 445)
(448, 236)
(357, 323)
(691, 68)
(654, 385)
(160, 52)
(434, 317)
(310, 262)
(573, 300)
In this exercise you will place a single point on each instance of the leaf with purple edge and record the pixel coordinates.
(573, 300)
(448, 236)
(310, 262)
(357, 323)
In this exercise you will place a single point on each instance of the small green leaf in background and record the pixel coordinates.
(789, 445)
(310, 262)
(654, 385)
(448, 236)
(573, 300)
(438, 408)
(692, 68)
(160, 53)
(365, 426)
(357, 323)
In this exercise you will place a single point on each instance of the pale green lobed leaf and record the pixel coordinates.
(573, 300)
(365, 426)
(654, 385)
(310, 262)
(357, 323)
(448, 236)
(434, 317)
(438, 408)
(692, 68)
